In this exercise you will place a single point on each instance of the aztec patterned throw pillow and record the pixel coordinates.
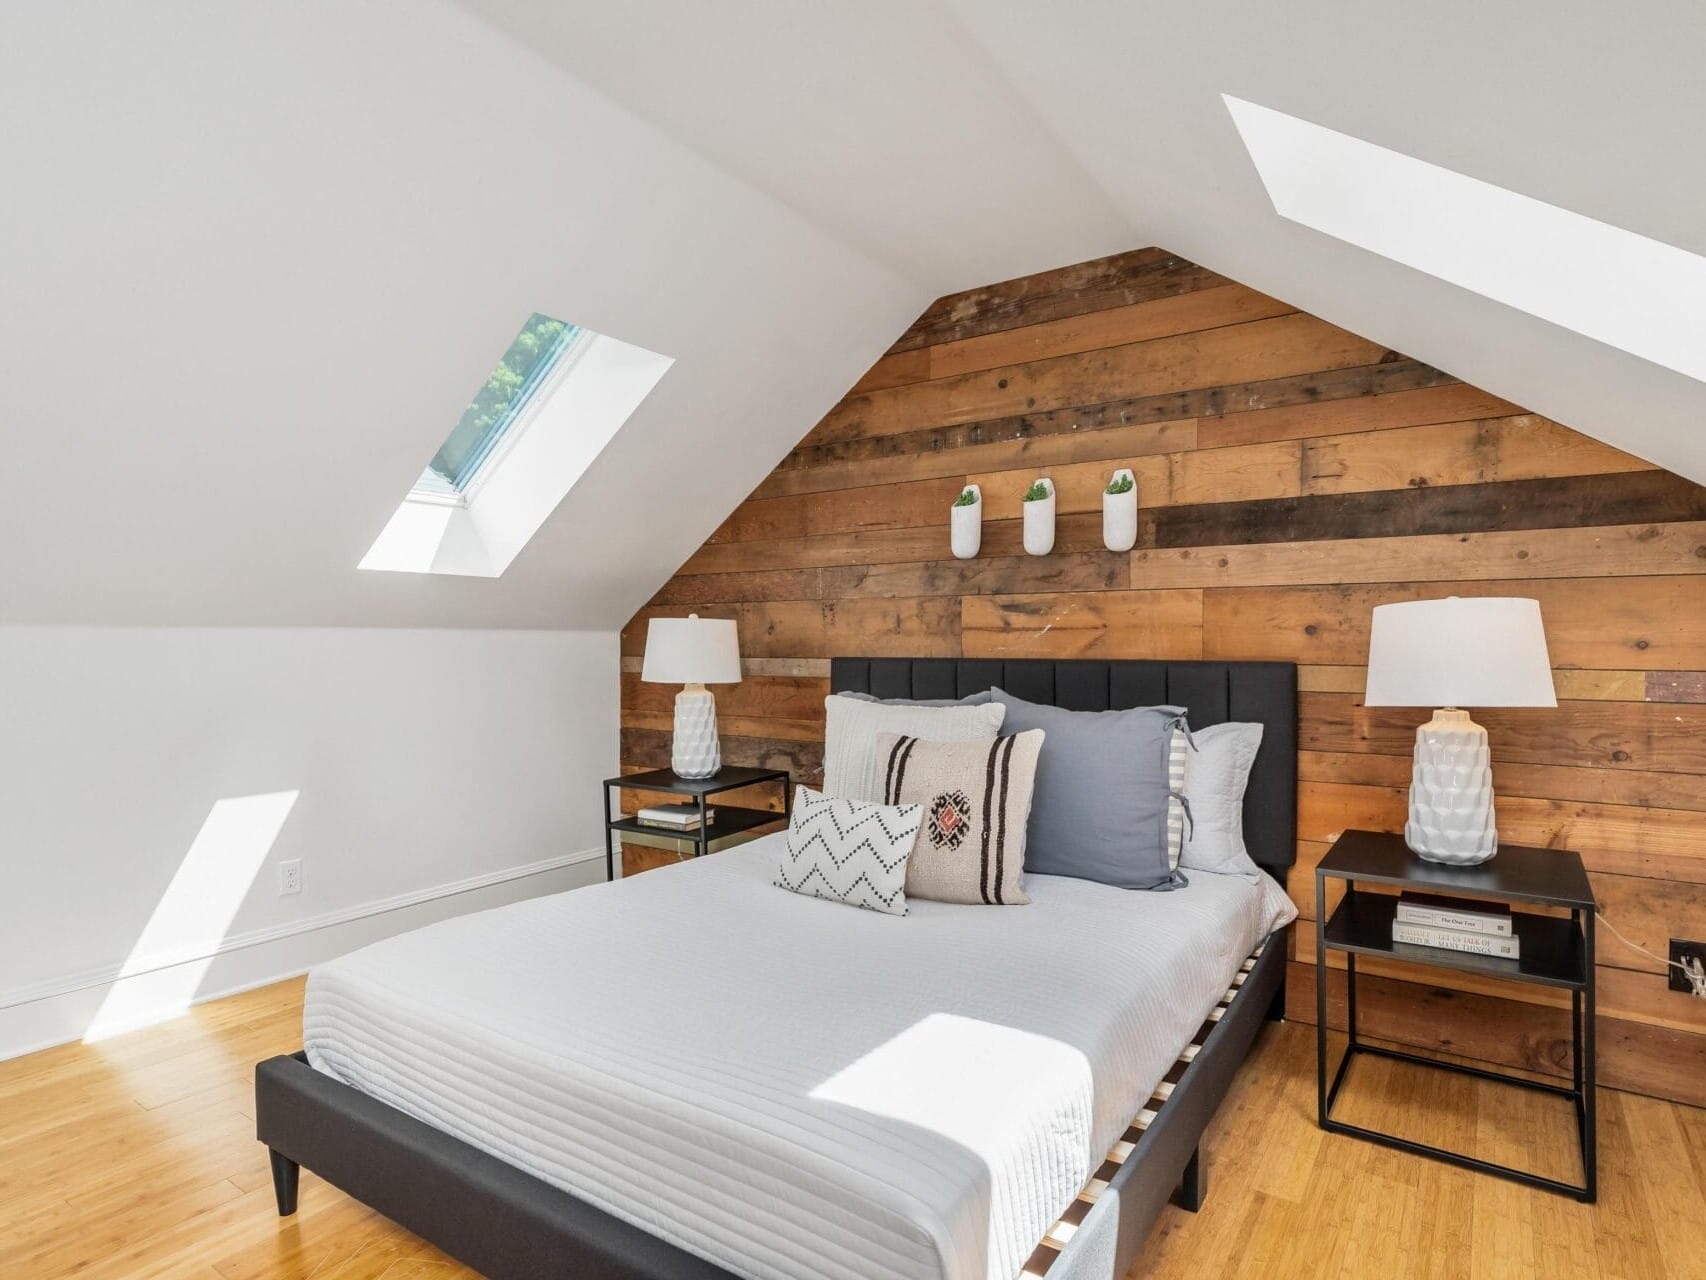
(849, 851)
(976, 798)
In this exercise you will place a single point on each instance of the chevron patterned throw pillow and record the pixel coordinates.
(849, 850)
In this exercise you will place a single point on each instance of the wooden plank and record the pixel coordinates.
(1258, 471)
(752, 586)
(986, 575)
(892, 506)
(1641, 789)
(1113, 327)
(1597, 551)
(1523, 447)
(1074, 534)
(1052, 295)
(894, 627)
(1055, 449)
(1146, 624)
(895, 369)
(1640, 497)
(1667, 844)
(1453, 402)
(1634, 736)
(1676, 686)
(1273, 348)
(1308, 389)
(1572, 684)
(1658, 622)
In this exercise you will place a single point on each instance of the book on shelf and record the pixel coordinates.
(1481, 944)
(678, 816)
(1466, 915)
(658, 838)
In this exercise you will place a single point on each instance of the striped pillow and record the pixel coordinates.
(977, 799)
(1176, 749)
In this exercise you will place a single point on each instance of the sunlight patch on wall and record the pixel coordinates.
(1639, 295)
(165, 967)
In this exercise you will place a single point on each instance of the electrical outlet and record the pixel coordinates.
(290, 877)
(1683, 951)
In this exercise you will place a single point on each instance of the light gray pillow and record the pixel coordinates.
(851, 726)
(978, 699)
(1099, 808)
(1214, 789)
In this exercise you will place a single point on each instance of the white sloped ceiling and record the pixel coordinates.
(255, 258)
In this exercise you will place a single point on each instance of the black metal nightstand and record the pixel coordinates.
(729, 820)
(1555, 952)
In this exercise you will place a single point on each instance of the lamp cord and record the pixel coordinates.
(1696, 975)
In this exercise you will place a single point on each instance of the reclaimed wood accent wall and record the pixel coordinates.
(1290, 476)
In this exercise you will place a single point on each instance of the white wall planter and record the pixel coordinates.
(1039, 522)
(1119, 515)
(965, 527)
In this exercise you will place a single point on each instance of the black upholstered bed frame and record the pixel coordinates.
(511, 1226)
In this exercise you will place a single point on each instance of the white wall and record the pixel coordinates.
(438, 771)
(257, 257)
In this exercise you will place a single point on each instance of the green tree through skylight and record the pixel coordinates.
(529, 358)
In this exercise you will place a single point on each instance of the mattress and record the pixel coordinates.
(786, 1086)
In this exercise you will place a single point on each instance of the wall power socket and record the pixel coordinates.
(1689, 953)
(290, 877)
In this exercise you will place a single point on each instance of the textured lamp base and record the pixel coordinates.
(1451, 792)
(695, 753)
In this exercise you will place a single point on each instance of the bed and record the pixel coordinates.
(926, 1097)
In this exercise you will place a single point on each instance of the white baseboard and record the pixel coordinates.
(154, 987)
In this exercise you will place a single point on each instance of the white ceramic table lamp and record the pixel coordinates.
(1452, 653)
(695, 652)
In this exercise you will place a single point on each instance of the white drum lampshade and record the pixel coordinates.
(1458, 652)
(694, 652)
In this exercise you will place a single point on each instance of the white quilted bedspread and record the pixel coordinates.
(787, 1086)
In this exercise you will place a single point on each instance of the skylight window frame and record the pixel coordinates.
(534, 393)
(1606, 283)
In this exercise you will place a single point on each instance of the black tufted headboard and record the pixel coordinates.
(1213, 693)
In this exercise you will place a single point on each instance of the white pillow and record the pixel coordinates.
(849, 851)
(1214, 789)
(851, 726)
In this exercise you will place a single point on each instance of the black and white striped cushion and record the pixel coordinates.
(977, 800)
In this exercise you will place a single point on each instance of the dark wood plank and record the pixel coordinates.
(1053, 295)
(1642, 497)
(1364, 384)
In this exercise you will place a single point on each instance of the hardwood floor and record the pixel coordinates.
(136, 1158)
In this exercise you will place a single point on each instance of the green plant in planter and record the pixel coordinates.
(1037, 492)
(1120, 484)
(967, 498)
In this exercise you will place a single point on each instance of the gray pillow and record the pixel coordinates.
(1099, 808)
(977, 699)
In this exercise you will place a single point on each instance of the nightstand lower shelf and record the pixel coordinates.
(1580, 1191)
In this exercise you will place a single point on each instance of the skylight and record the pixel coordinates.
(491, 414)
(544, 413)
(1639, 295)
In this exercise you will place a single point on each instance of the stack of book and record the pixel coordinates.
(1455, 924)
(673, 817)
